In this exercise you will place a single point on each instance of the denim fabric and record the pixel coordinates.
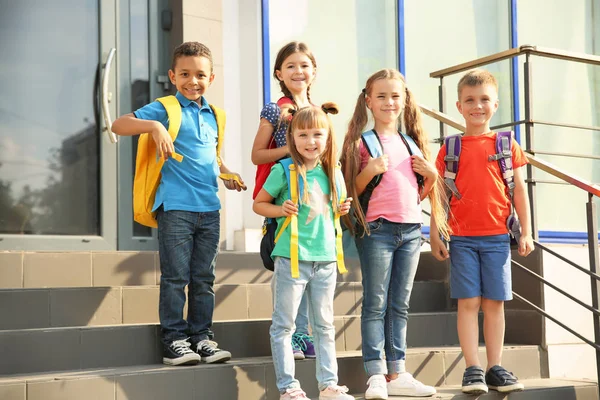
(188, 245)
(480, 267)
(388, 259)
(302, 317)
(318, 280)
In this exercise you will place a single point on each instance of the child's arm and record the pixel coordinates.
(522, 206)
(375, 166)
(263, 206)
(261, 153)
(438, 247)
(427, 170)
(231, 183)
(129, 125)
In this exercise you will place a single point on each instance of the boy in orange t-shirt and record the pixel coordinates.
(480, 271)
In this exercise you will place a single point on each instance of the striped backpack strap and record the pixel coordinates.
(504, 157)
(453, 147)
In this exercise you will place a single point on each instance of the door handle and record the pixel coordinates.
(105, 96)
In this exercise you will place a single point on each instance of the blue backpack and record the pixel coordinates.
(373, 145)
(269, 239)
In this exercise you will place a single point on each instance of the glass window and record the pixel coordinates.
(349, 39)
(563, 92)
(440, 34)
(49, 164)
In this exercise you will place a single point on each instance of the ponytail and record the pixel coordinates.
(350, 160)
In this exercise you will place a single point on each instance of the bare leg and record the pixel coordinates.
(468, 329)
(493, 330)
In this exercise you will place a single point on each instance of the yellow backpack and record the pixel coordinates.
(148, 165)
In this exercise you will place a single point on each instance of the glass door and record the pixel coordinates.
(144, 62)
(58, 168)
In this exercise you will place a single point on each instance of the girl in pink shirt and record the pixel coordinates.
(388, 231)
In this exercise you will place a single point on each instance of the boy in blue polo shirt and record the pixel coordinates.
(187, 208)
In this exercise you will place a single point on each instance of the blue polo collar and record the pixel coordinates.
(186, 102)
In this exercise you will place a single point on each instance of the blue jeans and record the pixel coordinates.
(318, 280)
(188, 243)
(388, 260)
(302, 317)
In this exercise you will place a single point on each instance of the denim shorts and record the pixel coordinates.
(480, 267)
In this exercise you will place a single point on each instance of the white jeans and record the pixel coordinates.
(318, 279)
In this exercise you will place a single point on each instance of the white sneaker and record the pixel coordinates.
(406, 385)
(335, 392)
(293, 394)
(377, 388)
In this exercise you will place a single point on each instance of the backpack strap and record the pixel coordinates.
(504, 157)
(413, 149)
(295, 188)
(373, 145)
(173, 108)
(342, 195)
(453, 146)
(221, 120)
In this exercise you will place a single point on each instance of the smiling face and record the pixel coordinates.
(192, 75)
(386, 100)
(478, 104)
(311, 143)
(297, 72)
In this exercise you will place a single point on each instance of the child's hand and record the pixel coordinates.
(378, 165)
(423, 167)
(289, 208)
(233, 184)
(438, 249)
(345, 206)
(164, 143)
(525, 245)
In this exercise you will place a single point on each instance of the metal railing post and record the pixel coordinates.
(529, 143)
(442, 105)
(592, 225)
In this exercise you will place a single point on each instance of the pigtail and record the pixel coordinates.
(414, 129)
(350, 160)
(329, 159)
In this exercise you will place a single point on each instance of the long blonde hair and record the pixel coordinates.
(313, 117)
(351, 154)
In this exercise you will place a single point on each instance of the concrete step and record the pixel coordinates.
(535, 389)
(126, 268)
(61, 307)
(243, 379)
(72, 348)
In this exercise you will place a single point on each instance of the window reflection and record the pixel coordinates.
(49, 178)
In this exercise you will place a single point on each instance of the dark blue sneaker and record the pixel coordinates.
(210, 352)
(500, 379)
(305, 343)
(179, 353)
(473, 381)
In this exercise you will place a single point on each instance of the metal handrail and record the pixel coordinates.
(533, 160)
(525, 49)
(559, 290)
(562, 258)
(565, 176)
(557, 322)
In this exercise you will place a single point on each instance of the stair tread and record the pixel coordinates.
(158, 368)
(454, 392)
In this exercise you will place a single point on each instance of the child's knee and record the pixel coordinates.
(490, 306)
(470, 305)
